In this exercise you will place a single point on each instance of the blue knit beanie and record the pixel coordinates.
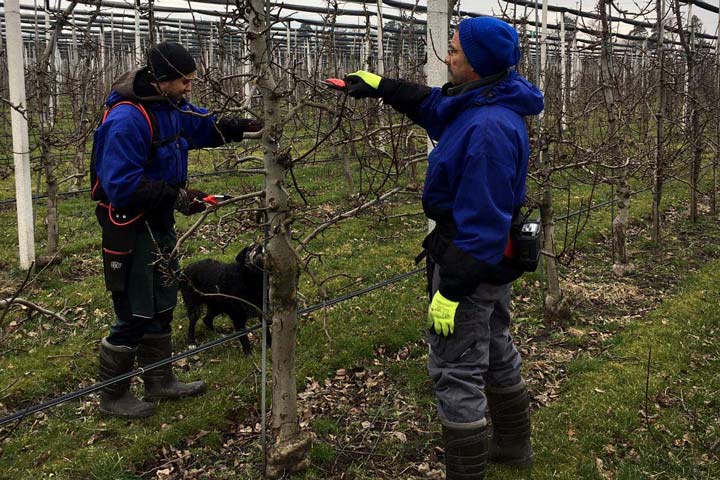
(489, 44)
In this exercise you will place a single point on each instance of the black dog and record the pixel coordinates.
(235, 289)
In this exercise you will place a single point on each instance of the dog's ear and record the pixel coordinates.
(242, 256)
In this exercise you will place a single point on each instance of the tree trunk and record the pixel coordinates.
(47, 162)
(691, 109)
(46, 77)
(620, 222)
(622, 265)
(289, 451)
(658, 173)
(555, 307)
(347, 170)
(51, 217)
(696, 160)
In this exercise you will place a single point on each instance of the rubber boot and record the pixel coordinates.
(465, 450)
(161, 383)
(510, 414)
(116, 399)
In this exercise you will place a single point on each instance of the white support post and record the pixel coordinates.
(563, 76)
(52, 104)
(576, 66)
(308, 59)
(543, 47)
(247, 70)
(367, 50)
(437, 41)
(717, 42)
(72, 52)
(353, 51)
(295, 42)
(643, 62)
(112, 34)
(380, 46)
(21, 145)
(101, 46)
(138, 46)
(211, 49)
(717, 148)
(686, 86)
(288, 58)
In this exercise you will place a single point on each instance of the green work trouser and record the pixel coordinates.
(146, 303)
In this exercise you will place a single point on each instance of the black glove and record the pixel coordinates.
(190, 202)
(232, 128)
(363, 84)
(152, 195)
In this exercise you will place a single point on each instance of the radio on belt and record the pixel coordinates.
(527, 245)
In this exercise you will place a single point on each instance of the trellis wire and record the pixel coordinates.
(206, 346)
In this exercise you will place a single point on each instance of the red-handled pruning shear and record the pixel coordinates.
(335, 83)
(214, 199)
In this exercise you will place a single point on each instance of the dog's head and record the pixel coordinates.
(252, 257)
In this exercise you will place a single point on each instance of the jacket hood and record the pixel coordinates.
(518, 94)
(135, 85)
(514, 92)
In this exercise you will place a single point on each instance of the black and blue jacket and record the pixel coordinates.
(140, 170)
(476, 173)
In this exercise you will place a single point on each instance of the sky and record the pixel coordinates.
(488, 7)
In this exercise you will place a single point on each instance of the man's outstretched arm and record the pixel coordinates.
(416, 101)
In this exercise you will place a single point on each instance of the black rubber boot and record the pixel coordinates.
(116, 399)
(161, 383)
(510, 414)
(465, 450)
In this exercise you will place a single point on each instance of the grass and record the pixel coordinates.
(73, 441)
(598, 428)
(50, 358)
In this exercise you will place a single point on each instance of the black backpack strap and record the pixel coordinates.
(96, 192)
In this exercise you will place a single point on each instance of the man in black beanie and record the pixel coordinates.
(139, 177)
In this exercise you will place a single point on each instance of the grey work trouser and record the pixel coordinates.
(480, 352)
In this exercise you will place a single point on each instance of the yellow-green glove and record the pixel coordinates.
(441, 315)
(363, 84)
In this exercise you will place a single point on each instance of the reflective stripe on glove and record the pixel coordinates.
(441, 315)
(189, 201)
(363, 84)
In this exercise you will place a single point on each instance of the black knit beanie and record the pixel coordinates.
(169, 61)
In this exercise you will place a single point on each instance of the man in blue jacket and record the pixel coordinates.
(139, 177)
(475, 184)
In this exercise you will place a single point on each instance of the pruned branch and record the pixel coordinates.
(9, 302)
(348, 214)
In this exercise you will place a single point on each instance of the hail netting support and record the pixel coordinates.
(21, 146)
(438, 19)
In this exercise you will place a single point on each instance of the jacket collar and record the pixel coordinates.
(452, 90)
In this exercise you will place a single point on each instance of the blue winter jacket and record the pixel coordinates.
(123, 155)
(476, 173)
